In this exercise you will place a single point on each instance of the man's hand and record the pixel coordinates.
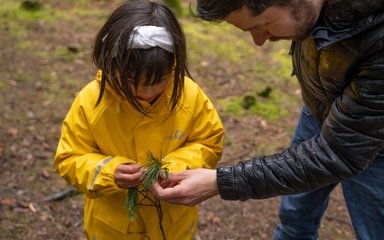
(188, 188)
(128, 175)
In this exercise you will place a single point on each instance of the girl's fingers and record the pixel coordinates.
(128, 175)
(125, 184)
(130, 168)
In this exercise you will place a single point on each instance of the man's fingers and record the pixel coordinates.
(176, 177)
(172, 195)
(165, 193)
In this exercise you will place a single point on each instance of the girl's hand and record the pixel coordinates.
(128, 175)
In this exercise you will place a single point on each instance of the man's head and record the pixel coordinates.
(264, 19)
(217, 10)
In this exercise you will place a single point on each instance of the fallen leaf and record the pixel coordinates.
(264, 124)
(204, 64)
(46, 146)
(7, 201)
(45, 174)
(212, 217)
(13, 132)
(33, 209)
(43, 217)
(12, 83)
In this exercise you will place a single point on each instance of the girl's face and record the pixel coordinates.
(151, 92)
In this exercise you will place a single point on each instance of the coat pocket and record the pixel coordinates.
(108, 216)
(176, 211)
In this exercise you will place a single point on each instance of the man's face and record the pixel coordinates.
(275, 23)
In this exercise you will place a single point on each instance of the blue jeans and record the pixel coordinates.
(300, 214)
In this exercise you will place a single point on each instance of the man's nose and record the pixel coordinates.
(260, 37)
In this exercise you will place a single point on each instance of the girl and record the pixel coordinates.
(140, 102)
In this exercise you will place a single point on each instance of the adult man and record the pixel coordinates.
(338, 58)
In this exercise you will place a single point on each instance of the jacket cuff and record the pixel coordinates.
(226, 183)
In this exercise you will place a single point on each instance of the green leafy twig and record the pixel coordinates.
(153, 169)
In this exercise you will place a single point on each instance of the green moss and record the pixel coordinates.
(216, 40)
(232, 106)
(283, 60)
(18, 21)
(12, 10)
(62, 54)
(83, 11)
(23, 45)
(271, 109)
(175, 5)
(31, 5)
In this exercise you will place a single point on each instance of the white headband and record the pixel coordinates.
(151, 36)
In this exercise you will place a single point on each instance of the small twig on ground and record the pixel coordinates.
(66, 192)
(337, 219)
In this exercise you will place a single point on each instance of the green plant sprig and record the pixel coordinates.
(132, 204)
(153, 169)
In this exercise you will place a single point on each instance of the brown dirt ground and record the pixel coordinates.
(35, 93)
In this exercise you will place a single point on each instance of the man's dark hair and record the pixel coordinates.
(217, 10)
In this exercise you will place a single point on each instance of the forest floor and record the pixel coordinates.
(45, 60)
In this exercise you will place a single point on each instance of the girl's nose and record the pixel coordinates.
(146, 93)
(145, 96)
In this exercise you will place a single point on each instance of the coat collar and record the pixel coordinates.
(342, 19)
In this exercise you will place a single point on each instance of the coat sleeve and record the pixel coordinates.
(203, 147)
(78, 159)
(351, 138)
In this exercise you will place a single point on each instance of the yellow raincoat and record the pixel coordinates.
(96, 139)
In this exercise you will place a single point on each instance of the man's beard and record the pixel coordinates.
(305, 16)
(304, 12)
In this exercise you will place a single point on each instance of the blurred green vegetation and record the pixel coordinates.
(176, 5)
(209, 44)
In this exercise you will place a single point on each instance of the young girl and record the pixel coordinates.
(140, 102)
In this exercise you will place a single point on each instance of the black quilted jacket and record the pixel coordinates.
(340, 68)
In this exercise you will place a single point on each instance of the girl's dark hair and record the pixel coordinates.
(217, 10)
(123, 66)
